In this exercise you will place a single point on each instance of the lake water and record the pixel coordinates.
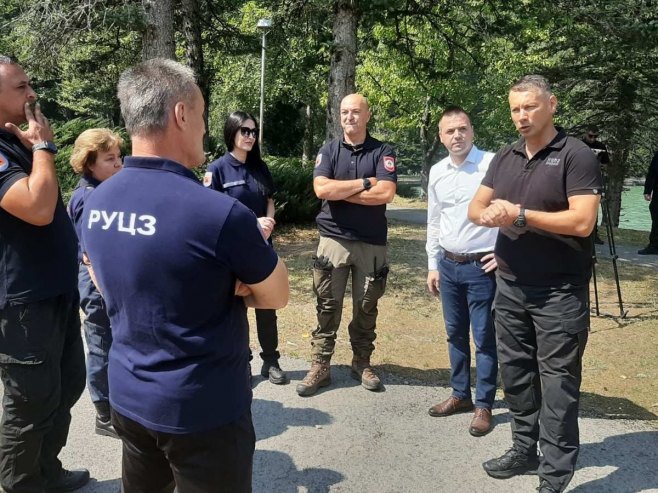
(634, 210)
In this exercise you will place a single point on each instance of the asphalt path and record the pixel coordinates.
(347, 439)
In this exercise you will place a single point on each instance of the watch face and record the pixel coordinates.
(519, 222)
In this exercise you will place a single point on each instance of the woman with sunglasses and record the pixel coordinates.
(242, 174)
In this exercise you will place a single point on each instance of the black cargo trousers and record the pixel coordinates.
(42, 368)
(541, 335)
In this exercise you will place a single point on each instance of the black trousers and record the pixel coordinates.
(43, 372)
(214, 461)
(268, 335)
(653, 210)
(541, 336)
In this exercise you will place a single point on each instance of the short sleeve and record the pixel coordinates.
(583, 174)
(241, 246)
(270, 181)
(213, 178)
(323, 163)
(488, 180)
(387, 164)
(10, 173)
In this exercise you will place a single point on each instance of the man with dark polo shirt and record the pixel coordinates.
(41, 354)
(543, 194)
(355, 177)
(177, 265)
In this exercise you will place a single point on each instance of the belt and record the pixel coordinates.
(463, 258)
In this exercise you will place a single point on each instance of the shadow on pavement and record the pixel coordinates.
(105, 486)
(275, 471)
(634, 457)
(272, 418)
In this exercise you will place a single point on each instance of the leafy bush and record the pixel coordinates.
(295, 200)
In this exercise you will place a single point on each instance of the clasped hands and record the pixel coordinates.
(499, 214)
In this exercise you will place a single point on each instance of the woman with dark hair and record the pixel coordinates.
(242, 174)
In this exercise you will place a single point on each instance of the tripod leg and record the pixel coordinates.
(596, 289)
(613, 252)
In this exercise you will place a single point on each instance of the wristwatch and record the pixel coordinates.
(46, 145)
(367, 185)
(520, 221)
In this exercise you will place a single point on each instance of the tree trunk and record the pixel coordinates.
(307, 150)
(194, 52)
(613, 176)
(343, 63)
(158, 35)
(429, 142)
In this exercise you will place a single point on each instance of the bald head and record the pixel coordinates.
(354, 117)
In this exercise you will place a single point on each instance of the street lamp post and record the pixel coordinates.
(264, 25)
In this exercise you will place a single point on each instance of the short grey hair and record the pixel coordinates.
(530, 82)
(149, 90)
(6, 60)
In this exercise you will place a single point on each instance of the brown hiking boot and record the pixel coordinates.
(318, 376)
(363, 372)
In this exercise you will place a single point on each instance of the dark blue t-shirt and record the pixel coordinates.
(76, 204)
(36, 262)
(167, 253)
(338, 160)
(250, 184)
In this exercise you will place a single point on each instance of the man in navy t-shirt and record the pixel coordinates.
(177, 265)
(41, 354)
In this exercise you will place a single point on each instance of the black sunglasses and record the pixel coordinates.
(246, 131)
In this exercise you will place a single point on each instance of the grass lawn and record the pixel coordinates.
(620, 375)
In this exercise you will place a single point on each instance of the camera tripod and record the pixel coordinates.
(605, 216)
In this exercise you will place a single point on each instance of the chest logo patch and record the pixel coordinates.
(318, 160)
(207, 179)
(389, 163)
(4, 162)
(552, 161)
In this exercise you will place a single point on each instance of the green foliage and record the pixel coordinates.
(295, 200)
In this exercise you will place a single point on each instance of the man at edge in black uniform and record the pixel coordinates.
(41, 355)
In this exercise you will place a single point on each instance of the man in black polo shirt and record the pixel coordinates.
(41, 355)
(355, 177)
(543, 194)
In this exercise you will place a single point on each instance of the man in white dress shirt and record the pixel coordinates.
(460, 270)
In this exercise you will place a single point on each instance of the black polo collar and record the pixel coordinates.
(558, 143)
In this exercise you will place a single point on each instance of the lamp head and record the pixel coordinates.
(264, 25)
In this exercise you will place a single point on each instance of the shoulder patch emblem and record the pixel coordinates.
(389, 163)
(207, 179)
(4, 162)
(318, 160)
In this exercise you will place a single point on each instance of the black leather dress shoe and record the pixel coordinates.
(68, 481)
(512, 463)
(274, 374)
(649, 250)
(545, 487)
(105, 428)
